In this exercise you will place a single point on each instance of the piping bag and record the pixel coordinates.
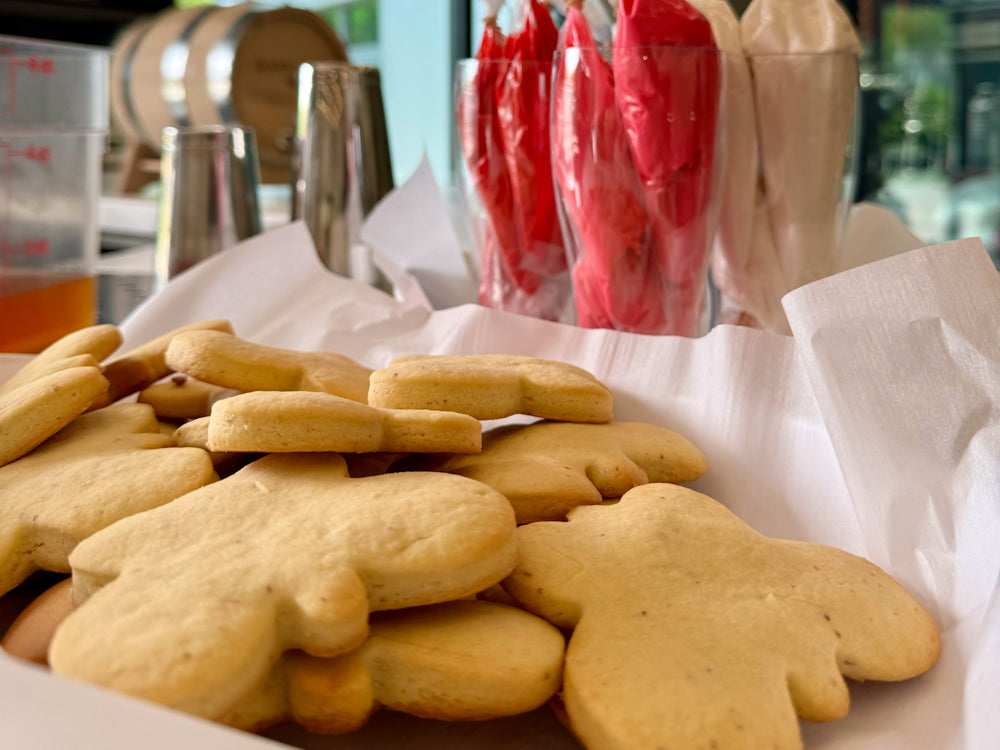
(744, 264)
(482, 147)
(668, 79)
(522, 108)
(803, 56)
(616, 278)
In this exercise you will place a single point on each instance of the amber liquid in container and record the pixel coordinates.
(53, 134)
(37, 309)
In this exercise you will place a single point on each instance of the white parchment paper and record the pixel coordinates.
(875, 429)
(904, 358)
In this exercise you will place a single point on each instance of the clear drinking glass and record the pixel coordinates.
(807, 130)
(505, 186)
(637, 162)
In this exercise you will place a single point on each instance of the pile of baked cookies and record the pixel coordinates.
(259, 535)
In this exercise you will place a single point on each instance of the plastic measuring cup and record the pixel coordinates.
(53, 132)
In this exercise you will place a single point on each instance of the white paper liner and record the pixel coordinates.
(875, 430)
(904, 358)
(412, 225)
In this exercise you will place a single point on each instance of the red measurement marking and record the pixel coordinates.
(37, 246)
(32, 246)
(30, 152)
(45, 66)
(38, 153)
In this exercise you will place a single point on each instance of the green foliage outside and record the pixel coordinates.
(917, 44)
(355, 22)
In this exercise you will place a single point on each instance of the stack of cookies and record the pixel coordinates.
(258, 535)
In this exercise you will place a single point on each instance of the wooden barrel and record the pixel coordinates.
(212, 65)
(157, 49)
(243, 67)
(122, 57)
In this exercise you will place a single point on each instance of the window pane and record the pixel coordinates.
(412, 44)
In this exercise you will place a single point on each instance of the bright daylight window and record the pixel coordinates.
(414, 44)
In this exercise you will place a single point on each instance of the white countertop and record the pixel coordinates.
(129, 220)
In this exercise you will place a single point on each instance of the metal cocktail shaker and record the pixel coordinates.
(342, 166)
(210, 177)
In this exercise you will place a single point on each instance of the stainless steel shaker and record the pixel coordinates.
(210, 176)
(342, 166)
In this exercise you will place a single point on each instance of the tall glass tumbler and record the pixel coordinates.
(504, 176)
(807, 125)
(637, 161)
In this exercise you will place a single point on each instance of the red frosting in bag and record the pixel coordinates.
(616, 281)
(522, 101)
(482, 147)
(667, 87)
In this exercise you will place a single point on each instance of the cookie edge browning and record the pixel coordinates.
(29, 635)
(144, 365)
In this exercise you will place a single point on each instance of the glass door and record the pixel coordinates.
(931, 114)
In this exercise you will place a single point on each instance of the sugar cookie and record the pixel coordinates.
(29, 636)
(295, 421)
(492, 387)
(690, 629)
(183, 397)
(547, 468)
(97, 342)
(39, 408)
(288, 553)
(242, 365)
(146, 364)
(105, 465)
(461, 660)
